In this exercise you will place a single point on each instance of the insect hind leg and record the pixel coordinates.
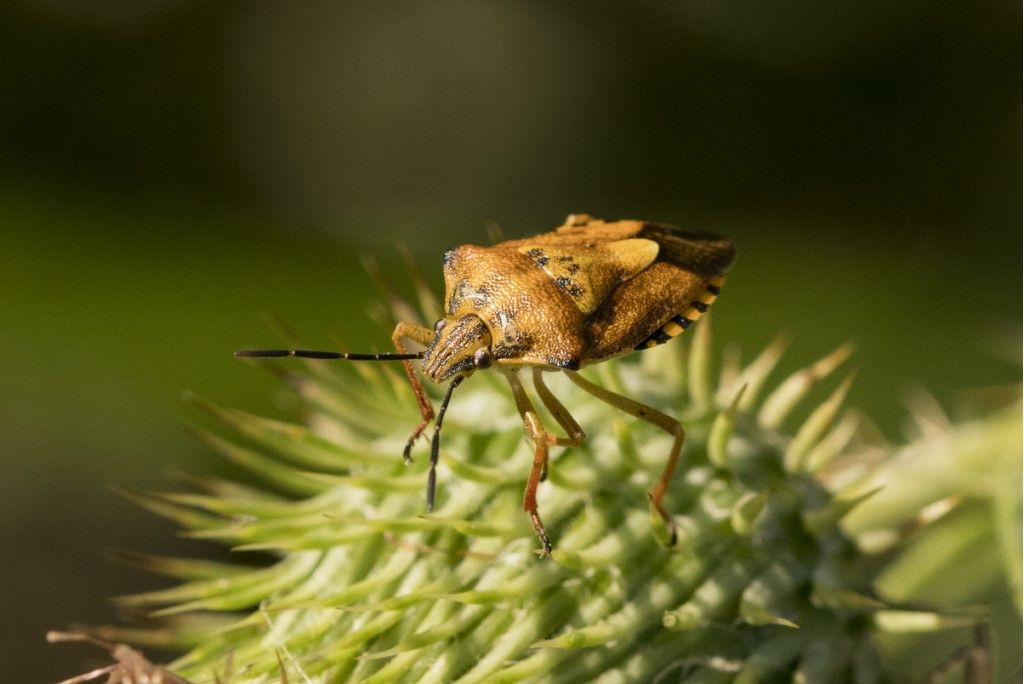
(656, 418)
(420, 335)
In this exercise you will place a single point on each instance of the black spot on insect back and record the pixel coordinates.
(538, 256)
(568, 364)
(569, 286)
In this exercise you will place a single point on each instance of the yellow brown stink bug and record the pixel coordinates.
(586, 292)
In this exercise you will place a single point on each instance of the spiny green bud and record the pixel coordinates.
(360, 584)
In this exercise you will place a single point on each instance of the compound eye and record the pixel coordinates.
(482, 358)
(439, 325)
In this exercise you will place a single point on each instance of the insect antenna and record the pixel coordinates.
(327, 355)
(435, 443)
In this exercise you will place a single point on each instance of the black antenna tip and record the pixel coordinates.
(261, 353)
(304, 354)
(314, 354)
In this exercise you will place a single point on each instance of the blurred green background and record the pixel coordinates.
(169, 170)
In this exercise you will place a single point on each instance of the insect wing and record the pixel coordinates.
(706, 254)
(665, 298)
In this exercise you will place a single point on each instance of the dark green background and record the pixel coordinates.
(171, 169)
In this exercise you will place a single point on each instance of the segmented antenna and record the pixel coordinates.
(435, 443)
(313, 354)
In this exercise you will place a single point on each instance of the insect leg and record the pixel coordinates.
(656, 418)
(131, 666)
(421, 335)
(534, 428)
(576, 436)
(574, 432)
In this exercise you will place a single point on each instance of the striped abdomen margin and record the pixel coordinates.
(683, 320)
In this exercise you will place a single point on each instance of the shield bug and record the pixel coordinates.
(586, 292)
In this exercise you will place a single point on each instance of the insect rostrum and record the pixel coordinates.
(588, 291)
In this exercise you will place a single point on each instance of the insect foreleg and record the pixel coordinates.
(656, 418)
(539, 437)
(420, 335)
